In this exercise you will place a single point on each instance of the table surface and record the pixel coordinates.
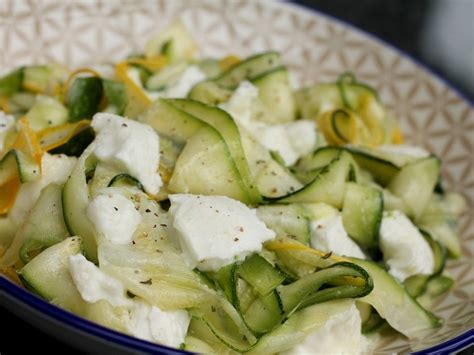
(397, 22)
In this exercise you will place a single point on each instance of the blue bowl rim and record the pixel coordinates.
(81, 324)
(455, 344)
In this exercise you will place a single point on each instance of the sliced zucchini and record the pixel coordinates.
(36, 78)
(318, 159)
(205, 166)
(209, 92)
(45, 225)
(84, 97)
(116, 95)
(314, 100)
(125, 179)
(289, 220)
(16, 163)
(276, 95)
(260, 274)
(226, 126)
(48, 275)
(272, 179)
(441, 224)
(11, 83)
(382, 170)
(362, 213)
(328, 186)
(415, 183)
(171, 122)
(75, 198)
(46, 112)
(394, 304)
(249, 68)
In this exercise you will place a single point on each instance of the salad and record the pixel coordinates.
(211, 205)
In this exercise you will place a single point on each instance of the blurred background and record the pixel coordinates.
(437, 33)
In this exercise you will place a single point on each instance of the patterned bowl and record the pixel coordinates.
(316, 48)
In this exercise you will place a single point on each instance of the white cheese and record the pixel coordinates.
(152, 324)
(179, 89)
(7, 122)
(407, 150)
(405, 250)
(214, 231)
(95, 285)
(129, 145)
(146, 322)
(114, 216)
(55, 169)
(329, 235)
(241, 103)
(341, 334)
(291, 140)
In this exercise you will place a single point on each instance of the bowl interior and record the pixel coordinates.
(315, 47)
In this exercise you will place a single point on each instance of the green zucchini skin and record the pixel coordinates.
(75, 199)
(48, 275)
(362, 214)
(84, 98)
(39, 232)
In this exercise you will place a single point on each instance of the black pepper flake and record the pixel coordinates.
(236, 239)
(163, 224)
(241, 229)
(34, 171)
(154, 226)
(115, 208)
(130, 295)
(133, 242)
(327, 256)
(159, 251)
(217, 211)
(137, 208)
(147, 210)
(124, 125)
(213, 309)
(156, 214)
(147, 282)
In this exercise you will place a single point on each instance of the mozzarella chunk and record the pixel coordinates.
(329, 235)
(130, 145)
(341, 334)
(405, 250)
(240, 104)
(95, 285)
(152, 324)
(7, 122)
(146, 322)
(55, 169)
(214, 231)
(179, 89)
(114, 216)
(290, 140)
